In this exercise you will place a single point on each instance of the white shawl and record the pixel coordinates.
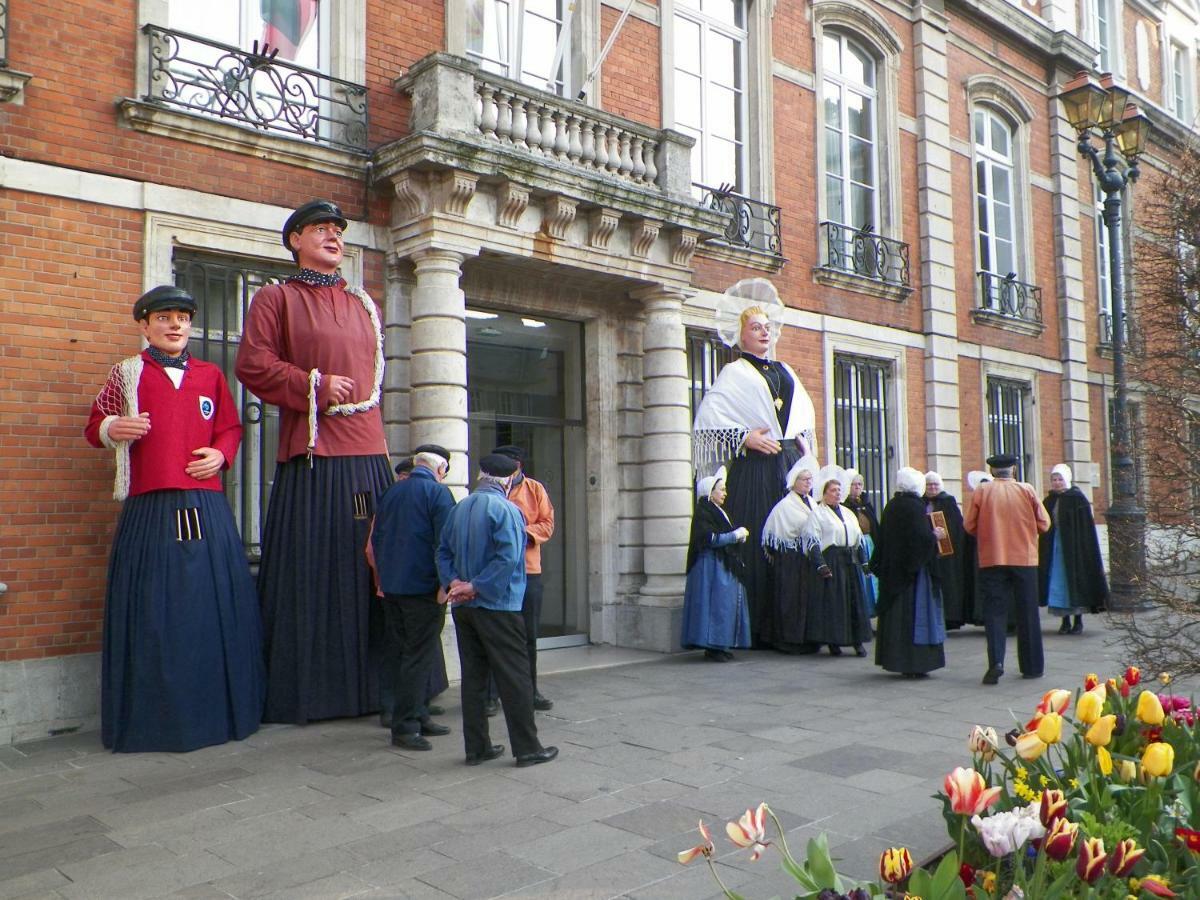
(787, 523)
(833, 528)
(739, 402)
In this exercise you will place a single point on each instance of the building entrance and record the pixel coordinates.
(525, 387)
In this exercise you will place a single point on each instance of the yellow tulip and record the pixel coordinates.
(1049, 728)
(1149, 709)
(1089, 707)
(1158, 760)
(1029, 746)
(1104, 761)
(1127, 772)
(1101, 731)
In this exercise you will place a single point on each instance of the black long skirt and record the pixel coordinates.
(894, 647)
(792, 577)
(837, 607)
(322, 627)
(755, 484)
(182, 664)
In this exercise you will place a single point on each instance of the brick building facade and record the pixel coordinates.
(548, 246)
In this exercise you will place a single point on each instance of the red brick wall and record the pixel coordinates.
(631, 81)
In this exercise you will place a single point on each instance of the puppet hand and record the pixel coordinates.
(209, 464)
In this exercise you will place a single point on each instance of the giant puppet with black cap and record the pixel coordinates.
(182, 653)
(481, 568)
(757, 419)
(313, 346)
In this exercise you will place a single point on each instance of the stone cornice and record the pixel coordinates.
(12, 86)
(1029, 30)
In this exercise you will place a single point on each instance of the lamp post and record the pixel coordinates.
(1101, 110)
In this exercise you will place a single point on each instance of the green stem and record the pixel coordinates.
(782, 837)
(962, 838)
(1039, 874)
(712, 868)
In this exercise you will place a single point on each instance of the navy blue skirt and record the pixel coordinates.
(322, 627)
(182, 663)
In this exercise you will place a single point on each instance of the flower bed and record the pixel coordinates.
(1095, 796)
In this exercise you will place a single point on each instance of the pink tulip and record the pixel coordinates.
(750, 831)
(968, 792)
(704, 849)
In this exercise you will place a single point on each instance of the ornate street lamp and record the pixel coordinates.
(1101, 110)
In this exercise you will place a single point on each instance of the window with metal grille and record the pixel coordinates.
(1008, 405)
(223, 288)
(862, 426)
(706, 356)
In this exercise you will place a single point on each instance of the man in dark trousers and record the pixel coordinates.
(1006, 517)
(481, 564)
(408, 527)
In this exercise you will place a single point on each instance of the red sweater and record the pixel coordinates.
(199, 413)
(293, 328)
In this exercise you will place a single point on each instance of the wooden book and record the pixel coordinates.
(945, 545)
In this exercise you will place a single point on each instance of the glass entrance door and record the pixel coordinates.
(525, 387)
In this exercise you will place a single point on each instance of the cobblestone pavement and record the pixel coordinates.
(647, 750)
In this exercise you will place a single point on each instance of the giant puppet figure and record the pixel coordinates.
(757, 419)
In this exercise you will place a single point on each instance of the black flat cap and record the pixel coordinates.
(310, 212)
(436, 449)
(165, 296)
(512, 451)
(405, 465)
(1002, 461)
(498, 465)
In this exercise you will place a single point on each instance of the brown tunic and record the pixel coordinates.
(295, 327)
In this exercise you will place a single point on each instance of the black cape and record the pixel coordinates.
(868, 522)
(1071, 517)
(708, 520)
(957, 600)
(904, 545)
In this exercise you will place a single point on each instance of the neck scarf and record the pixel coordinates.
(310, 276)
(169, 362)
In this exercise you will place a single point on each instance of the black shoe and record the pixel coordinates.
(474, 759)
(533, 759)
(992, 675)
(541, 704)
(860, 650)
(835, 650)
(729, 657)
(1065, 627)
(1077, 628)
(1031, 674)
(714, 656)
(434, 710)
(430, 728)
(491, 708)
(410, 742)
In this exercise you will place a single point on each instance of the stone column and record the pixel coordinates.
(1073, 309)
(666, 471)
(397, 375)
(943, 446)
(438, 346)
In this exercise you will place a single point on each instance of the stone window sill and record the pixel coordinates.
(861, 284)
(1008, 323)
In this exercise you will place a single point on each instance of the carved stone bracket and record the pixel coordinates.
(412, 193)
(602, 224)
(558, 213)
(457, 190)
(645, 233)
(512, 199)
(683, 245)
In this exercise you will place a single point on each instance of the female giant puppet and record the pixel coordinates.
(758, 419)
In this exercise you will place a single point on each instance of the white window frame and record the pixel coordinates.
(993, 163)
(1179, 81)
(1103, 287)
(844, 86)
(701, 152)
(874, 34)
(518, 15)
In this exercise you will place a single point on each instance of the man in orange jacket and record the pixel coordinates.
(529, 496)
(1006, 516)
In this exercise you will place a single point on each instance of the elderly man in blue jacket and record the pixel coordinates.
(481, 564)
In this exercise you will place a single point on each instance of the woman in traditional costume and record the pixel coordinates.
(313, 346)
(1070, 571)
(957, 603)
(758, 418)
(792, 574)
(182, 661)
(837, 608)
(911, 631)
(715, 616)
(868, 523)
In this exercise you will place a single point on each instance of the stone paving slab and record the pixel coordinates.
(647, 751)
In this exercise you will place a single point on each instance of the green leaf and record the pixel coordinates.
(819, 864)
(946, 883)
(1061, 884)
(801, 875)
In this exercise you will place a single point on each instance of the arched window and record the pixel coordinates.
(995, 199)
(848, 99)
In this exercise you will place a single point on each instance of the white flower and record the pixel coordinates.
(1006, 832)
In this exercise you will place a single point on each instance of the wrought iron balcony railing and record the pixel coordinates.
(1009, 298)
(253, 88)
(857, 251)
(3, 33)
(750, 223)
